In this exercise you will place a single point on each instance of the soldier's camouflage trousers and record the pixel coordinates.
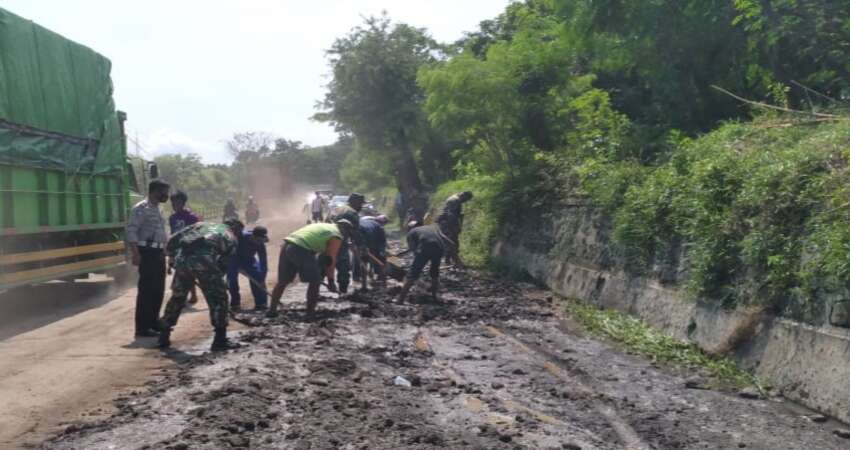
(213, 287)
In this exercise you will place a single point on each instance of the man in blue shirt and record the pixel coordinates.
(375, 239)
(252, 260)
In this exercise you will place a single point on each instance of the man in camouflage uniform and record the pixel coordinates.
(201, 252)
(450, 221)
(351, 213)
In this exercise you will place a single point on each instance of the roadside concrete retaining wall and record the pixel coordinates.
(809, 364)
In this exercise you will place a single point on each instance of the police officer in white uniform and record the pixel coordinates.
(146, 238)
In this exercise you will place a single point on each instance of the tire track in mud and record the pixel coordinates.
(585, 382)
(503, 423)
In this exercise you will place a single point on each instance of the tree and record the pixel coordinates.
(250, 144)
(206, 185)
(250, 150)
(373, 94)
(805, 41)
(179, 169)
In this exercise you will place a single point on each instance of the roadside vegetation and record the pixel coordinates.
(618, 103)
(636, 336)
(714, 126)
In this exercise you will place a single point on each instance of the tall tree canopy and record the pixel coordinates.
(373, 94)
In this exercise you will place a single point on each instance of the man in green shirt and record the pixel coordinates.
(306, 253)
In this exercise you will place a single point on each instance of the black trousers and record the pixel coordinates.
(151, 287)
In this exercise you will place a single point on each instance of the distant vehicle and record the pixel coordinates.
(337, 201)
(369, 209)
(68, 184)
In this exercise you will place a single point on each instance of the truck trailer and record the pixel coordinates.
(66, 183)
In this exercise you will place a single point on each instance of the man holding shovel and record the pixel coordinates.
(375, 239)
(428, 245)
(310, 253)
(251, 261)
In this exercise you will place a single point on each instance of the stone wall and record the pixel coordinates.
(570, 253)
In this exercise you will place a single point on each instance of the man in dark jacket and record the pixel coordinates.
(252, 260)
(351, 213)
(375, 240)
(428, 246)
(450, 221)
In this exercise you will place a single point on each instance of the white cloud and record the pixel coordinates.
(196, 71)
(164, 141)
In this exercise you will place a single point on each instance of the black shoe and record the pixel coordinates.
(271, 314)
(223, 346)
(236, 308)
(261, 307)
(343, 289)
(146, 333)
(221, 342)
(165, 338)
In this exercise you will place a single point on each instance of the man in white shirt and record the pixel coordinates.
(146, 238)
(316, 207)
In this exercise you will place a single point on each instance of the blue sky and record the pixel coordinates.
(190, 72)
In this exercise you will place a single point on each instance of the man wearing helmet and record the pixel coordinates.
(311, 253)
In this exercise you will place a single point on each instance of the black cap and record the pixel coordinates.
(179, 196)
(261, 232)
(158, 184)
(355, 197)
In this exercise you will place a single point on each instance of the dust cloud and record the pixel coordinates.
(284, 213)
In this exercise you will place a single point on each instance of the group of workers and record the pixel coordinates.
(206, 254)
(252, 211)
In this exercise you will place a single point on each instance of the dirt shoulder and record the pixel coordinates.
(70, 351)
(492, 365)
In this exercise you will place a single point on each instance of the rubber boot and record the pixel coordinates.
(164, 335)
(435, 288)
(221, 342)
(408, 285)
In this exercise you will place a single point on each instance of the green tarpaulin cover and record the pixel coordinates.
(56, 107)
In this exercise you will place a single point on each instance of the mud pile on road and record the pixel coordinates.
(488, 366)
(320, 384)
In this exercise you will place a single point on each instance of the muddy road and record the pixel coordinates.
(67, 350)
(493, 365)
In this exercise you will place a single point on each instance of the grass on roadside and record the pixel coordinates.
(638, 337)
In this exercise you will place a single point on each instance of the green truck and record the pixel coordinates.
(66, 183)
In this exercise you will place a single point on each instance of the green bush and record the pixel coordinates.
(762, 208)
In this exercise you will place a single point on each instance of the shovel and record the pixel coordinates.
(393, 270)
